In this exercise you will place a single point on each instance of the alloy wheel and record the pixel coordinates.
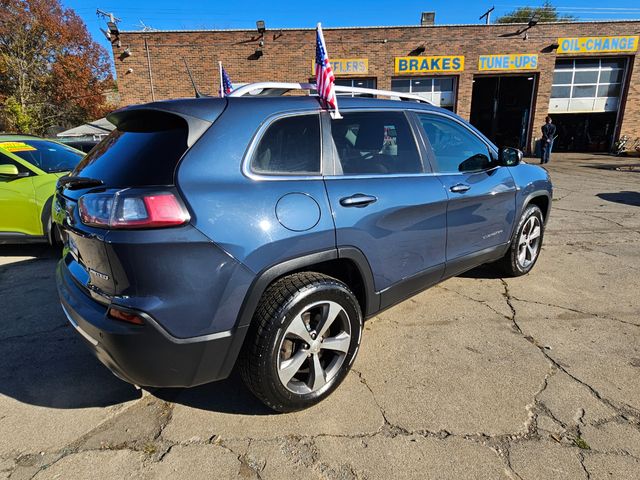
(529, 242)
(314, 347)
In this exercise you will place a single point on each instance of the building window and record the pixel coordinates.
(587, 85)
(439, 91)
(356, 82)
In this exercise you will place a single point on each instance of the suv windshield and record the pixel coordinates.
(48, 156)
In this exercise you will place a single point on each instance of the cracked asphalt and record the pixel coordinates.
(479, 377)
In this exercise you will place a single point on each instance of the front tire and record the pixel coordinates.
(302, 342)
(526, 244)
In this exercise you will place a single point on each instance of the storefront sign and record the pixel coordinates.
(440, 63)
(512, 61)
(598, 44)
(346, 66)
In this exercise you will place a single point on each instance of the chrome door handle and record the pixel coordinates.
(460, 188)
(358, 200)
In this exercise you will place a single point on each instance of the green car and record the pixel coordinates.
(29, 169)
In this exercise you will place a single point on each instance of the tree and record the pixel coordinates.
(545, 13)
(51, 72)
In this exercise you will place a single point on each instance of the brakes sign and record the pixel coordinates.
(16, 147)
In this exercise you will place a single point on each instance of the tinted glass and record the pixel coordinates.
(564, 64)
(612, 90)
(5, 160)
(584, 91)
(612, 63)
(137, 157)
(400, 84)
(443, 84)
(375, 143)
(290, 145)
(456, 149)
(562, 77)
(422, 85)
(47, 156)
(585, 77)
(610, 76)
(560, 92)
(587, 63)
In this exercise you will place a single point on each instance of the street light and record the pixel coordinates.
(260, 26)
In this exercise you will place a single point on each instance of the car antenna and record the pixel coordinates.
(195, 87)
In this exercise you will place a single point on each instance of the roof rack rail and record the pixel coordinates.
(280, 88)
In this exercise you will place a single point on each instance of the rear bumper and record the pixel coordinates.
(147, 355)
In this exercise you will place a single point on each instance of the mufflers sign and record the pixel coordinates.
(433, 64)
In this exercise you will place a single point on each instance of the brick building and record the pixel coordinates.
(504, 78)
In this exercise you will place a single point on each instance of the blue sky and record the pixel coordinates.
(197, 14)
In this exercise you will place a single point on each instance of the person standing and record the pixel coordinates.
(548, 136)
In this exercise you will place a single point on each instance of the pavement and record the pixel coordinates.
(479, 377)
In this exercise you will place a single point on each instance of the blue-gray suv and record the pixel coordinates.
(259, 231)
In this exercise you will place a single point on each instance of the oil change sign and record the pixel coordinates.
(16, 147)
(512, 61)
(439, 63)
(598, 44)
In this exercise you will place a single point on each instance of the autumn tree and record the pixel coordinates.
(545, 13)
(51, 72)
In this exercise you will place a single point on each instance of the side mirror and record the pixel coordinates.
(9, 171)
(510, 157)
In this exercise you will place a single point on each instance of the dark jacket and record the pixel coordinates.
(548, 131)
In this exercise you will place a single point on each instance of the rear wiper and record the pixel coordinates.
(72, 182)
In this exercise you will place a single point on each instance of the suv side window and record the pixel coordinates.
(375, 143)
(290, 146)
(456, 148)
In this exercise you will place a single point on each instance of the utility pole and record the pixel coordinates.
(487, 15)
(112, 18)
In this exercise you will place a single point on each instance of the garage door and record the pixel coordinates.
(439, 91)
(587, 85)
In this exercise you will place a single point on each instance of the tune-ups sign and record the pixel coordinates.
(513, 61)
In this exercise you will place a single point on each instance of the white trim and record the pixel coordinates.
(278, 88)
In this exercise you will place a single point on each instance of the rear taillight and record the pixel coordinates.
(125, 316)
(132, 210)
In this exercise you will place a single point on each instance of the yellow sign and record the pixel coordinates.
(16, 146)
(511, 61)
(346, 66)
(627, 43)
(439, 63)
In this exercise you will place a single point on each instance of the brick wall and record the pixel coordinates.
(288, 55)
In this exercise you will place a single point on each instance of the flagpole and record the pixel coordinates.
(221, 79)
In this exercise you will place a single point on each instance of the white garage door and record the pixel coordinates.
(587, 85)
(439, 91)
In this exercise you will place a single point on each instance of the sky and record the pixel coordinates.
(200, 14)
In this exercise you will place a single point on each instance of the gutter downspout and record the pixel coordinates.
(146, 49)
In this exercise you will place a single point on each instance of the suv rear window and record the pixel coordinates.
(139, 153)
(290, 145)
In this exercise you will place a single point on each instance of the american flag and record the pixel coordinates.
(324, 74)
(226, 87)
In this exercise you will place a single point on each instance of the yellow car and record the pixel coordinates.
(29, 169)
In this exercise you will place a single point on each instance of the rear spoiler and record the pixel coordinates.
(198, 114)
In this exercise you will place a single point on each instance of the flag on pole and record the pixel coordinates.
(325, 79)
(225, 82)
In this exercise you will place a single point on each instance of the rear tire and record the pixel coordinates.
(304, 336)
(526, 244)
(52, 232)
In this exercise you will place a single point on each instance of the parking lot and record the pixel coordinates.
(479, 377)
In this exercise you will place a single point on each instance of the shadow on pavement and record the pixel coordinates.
(488, 272)
(42, 360)
(226, 396)
(627, 197)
